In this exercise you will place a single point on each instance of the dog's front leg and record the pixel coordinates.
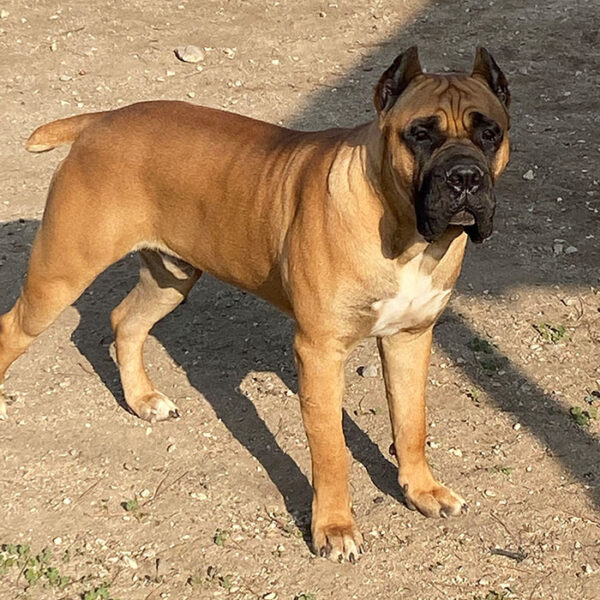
(405, 359)
(321, 373)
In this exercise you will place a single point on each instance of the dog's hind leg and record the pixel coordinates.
(65, 258)
(164, 283)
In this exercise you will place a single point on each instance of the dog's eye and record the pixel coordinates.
(489, 135)
(420, 134)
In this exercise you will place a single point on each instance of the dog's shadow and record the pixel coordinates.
(218, 336)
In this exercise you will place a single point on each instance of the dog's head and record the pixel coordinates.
(446, 139)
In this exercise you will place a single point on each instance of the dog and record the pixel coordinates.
(351, 232)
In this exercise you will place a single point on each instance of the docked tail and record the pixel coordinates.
(57, 133)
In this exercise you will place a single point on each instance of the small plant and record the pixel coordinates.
(98, 593)
(478, 344)
(220, 537)
(583, 416)
(225, 581)
(487, 357)
(552, 333)
(490, 364)
(130, 505)
(31, 568)
(474, 394)
(212, 575)
(196, 580)
(504, 470)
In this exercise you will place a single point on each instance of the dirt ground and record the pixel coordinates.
(217, 503)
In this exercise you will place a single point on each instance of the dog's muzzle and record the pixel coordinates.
(458, 192)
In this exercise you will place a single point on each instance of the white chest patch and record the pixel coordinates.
(417, 303)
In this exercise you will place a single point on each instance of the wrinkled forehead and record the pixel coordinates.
(452, 97)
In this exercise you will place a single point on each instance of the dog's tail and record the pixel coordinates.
(57, 133)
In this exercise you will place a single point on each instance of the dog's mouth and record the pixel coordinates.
(463, 218)
(457, 195)
(477, 220)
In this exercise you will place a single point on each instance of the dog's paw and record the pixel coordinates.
(338, 542)
(434, 501)
(154, 407)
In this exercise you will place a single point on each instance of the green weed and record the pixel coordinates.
(478, 344)
(130, 505)
(583, 416)
(101, 592)
(33, 568)
(504, 470)
(552, 333)
(220, 537)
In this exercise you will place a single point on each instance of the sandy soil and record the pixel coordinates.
(216, 504)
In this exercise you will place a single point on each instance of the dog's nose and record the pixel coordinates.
(464, 178)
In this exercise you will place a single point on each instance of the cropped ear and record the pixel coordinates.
(486, 67)
(396, 78)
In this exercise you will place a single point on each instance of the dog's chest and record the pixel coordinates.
(417, 303)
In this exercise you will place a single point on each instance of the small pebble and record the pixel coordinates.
(189, 54)
(130, 562)
(57, 541)
(529, 175)
(517, 426)
(270, 596)
(570, 250)
(4, 13)
(145, 493)
(558, 247)
(368, 371)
